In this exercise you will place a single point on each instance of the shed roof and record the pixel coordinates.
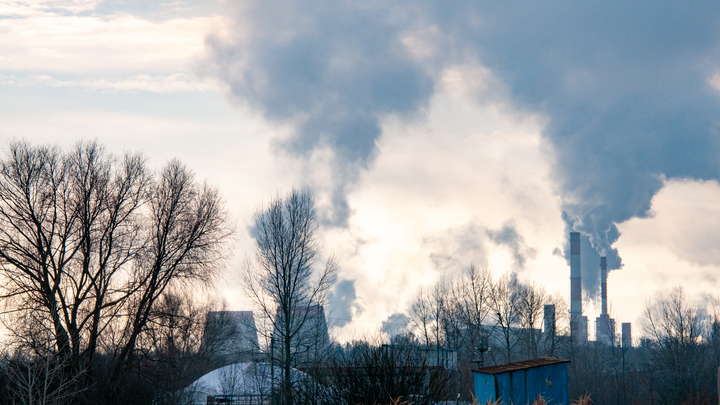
(521, 365)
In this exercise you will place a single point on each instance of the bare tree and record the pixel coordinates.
(38, 377)
(427, 312)
(505, 304)
(367, 371)
(553, 341)
(675, 327)
(471, 297)
(282, 281)
(421, 316)
(532, 299)
(90, 242)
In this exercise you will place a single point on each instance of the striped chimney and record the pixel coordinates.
(575, 278)
(603, 283)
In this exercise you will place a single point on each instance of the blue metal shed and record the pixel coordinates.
(523, 382)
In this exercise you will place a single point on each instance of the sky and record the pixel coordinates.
(433, 134)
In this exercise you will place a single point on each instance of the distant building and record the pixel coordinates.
(312, 339)
(230, 336)
(549, 320)
(626, 335)
(579, 330)
(605, 329)
(523, 382)
(425, 356)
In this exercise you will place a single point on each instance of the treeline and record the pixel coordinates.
(487, 321)
(674, 362)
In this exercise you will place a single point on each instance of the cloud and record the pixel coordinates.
(32, 7)
(686, 221)
(177, 82)
(332, 69)
(456, 248)
(50, 43)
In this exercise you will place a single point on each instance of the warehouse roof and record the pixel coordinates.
(521, 365)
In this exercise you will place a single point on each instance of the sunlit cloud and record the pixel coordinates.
(177, 82)
(114, 43)
(34, 7)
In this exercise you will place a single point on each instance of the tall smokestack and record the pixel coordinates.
(603, 284)
(575, 279)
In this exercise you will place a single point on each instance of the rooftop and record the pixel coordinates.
(521, 365)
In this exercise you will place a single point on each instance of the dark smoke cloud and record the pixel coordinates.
(332, 69)
(626, 88)
(343, 302)
(508, 236)
(395, 324)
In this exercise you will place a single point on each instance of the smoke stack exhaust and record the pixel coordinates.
(603, 284)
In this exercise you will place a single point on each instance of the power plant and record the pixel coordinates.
(604, 325)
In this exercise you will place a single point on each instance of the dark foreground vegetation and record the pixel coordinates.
(104, 266)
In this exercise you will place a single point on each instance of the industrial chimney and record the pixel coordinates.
(603, 284)
(575, 277)
(578, 323)
(604, 325)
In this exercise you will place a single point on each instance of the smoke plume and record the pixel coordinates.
(627, 88)
(331, 69)
(344, 302)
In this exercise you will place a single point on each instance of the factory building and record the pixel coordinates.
(604, 325)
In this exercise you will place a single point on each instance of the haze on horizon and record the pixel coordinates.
(434, 136)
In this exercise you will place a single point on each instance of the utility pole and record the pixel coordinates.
(481, 349)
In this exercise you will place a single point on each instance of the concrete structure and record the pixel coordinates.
(549, 320)
(604, 325)
(244, 383)
(578, 322)
(231, 336)
(626, 335)
(605, 329)
(524, 382)
(310, 335)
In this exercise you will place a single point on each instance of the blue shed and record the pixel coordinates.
(523, 382)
